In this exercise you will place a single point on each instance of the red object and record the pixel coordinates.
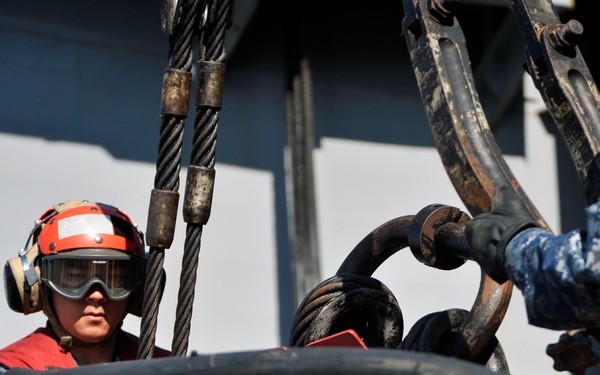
(347, 338)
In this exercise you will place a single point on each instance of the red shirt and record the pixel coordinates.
(41, 350)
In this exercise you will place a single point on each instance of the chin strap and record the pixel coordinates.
(65, 339)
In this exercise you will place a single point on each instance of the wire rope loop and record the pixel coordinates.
(349, 301)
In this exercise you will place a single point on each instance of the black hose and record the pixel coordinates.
(301, 361)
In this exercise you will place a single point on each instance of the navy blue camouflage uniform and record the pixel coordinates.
(559, 275)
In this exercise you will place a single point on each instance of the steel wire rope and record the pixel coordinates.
(167, 174)
(319, 297)
(203, 155)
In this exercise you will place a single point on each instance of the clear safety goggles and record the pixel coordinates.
(73, 276)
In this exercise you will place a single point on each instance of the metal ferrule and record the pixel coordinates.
(211, 77)
(162, 215)
(197, 201)
(176, 89)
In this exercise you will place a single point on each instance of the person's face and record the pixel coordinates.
(91, 319)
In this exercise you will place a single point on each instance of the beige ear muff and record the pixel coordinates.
(22, 282)
(21, 274)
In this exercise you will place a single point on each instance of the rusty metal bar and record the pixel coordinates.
(561, 76)
(377, 246)
(448, 239)
(467, 147)
(472, 159)
(447, 235)
(424, 231)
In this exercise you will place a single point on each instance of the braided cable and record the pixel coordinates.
(167, 174)
(329, 294)
(168, 163)
(205, 138)
(148, 323)
(204, 155)
(314, 302)
(187, 283)
(214, 48)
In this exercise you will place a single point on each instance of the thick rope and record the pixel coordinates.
(337, 299)
(187, 284)
(167, 174)
(203, 155)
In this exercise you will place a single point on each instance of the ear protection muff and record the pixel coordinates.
(22, 282)
(22, 276)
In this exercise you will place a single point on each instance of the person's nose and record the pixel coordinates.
(96, 294)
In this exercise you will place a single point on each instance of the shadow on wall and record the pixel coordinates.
(93, 74)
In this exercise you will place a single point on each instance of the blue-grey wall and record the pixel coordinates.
(91, 72)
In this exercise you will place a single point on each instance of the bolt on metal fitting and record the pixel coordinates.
(441, 10)
(564, 37)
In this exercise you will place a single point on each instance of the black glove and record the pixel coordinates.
(489, 233)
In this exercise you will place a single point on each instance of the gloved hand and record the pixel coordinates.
(489, 233)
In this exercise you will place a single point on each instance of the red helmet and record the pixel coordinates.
(89, 226)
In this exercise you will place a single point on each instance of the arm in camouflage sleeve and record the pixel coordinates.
(559, 275)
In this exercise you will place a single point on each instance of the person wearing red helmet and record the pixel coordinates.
(85, 271)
